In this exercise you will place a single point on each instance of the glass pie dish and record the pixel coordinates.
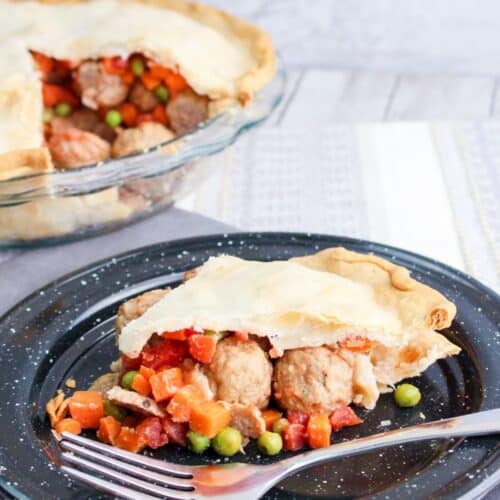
(70, 204)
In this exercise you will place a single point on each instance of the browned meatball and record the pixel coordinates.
(84, 119)
(240, 372)
(99, 88)
(312, 379)
(187, 111)
(143, 98)
(144, 136)
(74, 148)
(137, 306)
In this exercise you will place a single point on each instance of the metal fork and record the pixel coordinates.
(142, 477)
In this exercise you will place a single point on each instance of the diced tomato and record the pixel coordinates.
(166, 383)
(141, 385)
(202, 347)
(144, 117)
(69, 425)
(150, 81)
(356, 344)
(164, 354)
(54, 94)
(297, 417)
(152, 432)
(343, 416)
(176, 431)
(159, 114)
(177, 335)
(243, 336)
(114, 65)
(146, 372)
(294, 437)
(318, 431)
(129, 440)
(183, 401)
(129, 364)
(87, 407)
(109, 428)
(129, 113)
(270, 416)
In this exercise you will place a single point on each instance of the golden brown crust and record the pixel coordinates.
(420, 304)
(25, 162)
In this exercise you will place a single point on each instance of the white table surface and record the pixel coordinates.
(397, 86)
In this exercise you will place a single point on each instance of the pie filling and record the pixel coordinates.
(113, 106)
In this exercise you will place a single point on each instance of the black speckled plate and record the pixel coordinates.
(66, 330)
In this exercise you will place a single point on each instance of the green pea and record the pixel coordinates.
(137, 66)
(227, 442)
(113, 118)
(128, 378)
(407, 395)
(197, 442)
(47, 115)
(162, 93)
(115, 411)
(280, 425)
(63, 109)
(270, 443)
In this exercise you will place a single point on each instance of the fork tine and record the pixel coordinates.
(128, 480)
(170, 481)
(106, 486)
(159, 465)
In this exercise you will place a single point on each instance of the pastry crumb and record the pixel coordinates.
(71, 383)
(385, 423)
(421, 415)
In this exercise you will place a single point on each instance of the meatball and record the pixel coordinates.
(143, 98)
(73, 148)
(240, 372)
(312, 379)
(136, 307)
(146, 135)
(187, 111)
(99, 88)
(84, 119)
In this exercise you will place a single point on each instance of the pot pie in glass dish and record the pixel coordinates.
(280, 351)
(104, 103)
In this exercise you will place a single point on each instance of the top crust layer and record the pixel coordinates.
(242, 56)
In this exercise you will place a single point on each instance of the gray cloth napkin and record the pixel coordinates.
(25, 271)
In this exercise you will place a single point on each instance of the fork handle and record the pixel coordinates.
(473, 424)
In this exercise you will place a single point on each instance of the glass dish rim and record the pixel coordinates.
(271, 95)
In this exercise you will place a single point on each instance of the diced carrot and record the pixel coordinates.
(159, 114)
(141, 385)
(161, 72)
(166, 383)
(175, 82)
(146, 372)
(319, 430)
(129, 113)
(202, 347)
(178, 334)
(183, 401)
(243, 336)
(128, 77)
(109, 428)
(44, 63)
(356, 344)
(69, 425)
(129, 440)
(87, 407)
(270, 416)
(150, 81)
(54, 94)
(209, 418)
(115, 65)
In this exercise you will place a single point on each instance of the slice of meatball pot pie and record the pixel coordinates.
(240, 344)
(85, 81)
